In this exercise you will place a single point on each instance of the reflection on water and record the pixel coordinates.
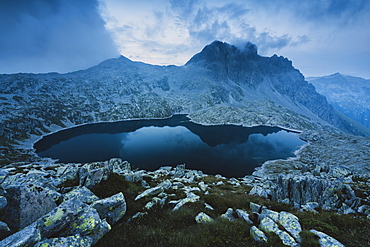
(232, 151)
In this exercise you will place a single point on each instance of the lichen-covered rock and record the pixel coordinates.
(310, 207)
(4, 230)
(325, 240)
(229, 214)
(244, 215)
(26, 203)
(88, 223)
(291, 224)
(203, 218)
(112, 208)
(94, 173)
(28, 236)
(268, 225)
(269, 213)
(153, 202)
(67, 173)
(339, 171)
(70, 241)
(82, 193)
(258, 235)
(150, 192)
(61, 217)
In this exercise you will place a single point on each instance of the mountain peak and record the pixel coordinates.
(222, 51)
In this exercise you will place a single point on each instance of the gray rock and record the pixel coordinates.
(153, 202)
(325, 240)
(112, 208)
(191, 197)
(66, 174)
(255, 208)
(150, 192)
(202, 186)
(3, 202)
(291, 224)
(3, 175)
(339, 171)
(27, 203)
(268, 225)
(28, 236)
(70, 241)
(94, 173)
(229, 214)
(260, 191)
(61, 217)
(179, 171)
(258, 235)
(166, 184)
(82, 193)
(4, 230)
(209, 207)
(310, 206)
(269, 213)
(203, 218)
(244, 215)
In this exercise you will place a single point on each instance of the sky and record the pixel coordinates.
(321, 37)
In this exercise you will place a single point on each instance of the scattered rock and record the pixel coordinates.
(203, 218)
(82, 193)
(244, 215)
(150, 192)
(258, 235)
(325, 240)
(112, 208)
(291, 224)
(229, 214)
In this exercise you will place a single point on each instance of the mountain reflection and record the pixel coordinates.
(230, 150)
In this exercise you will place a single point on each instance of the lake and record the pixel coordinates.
(230, 150)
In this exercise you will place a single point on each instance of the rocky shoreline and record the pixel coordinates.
(53, 205)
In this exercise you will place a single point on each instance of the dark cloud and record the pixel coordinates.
(341, 12)
(58, 35)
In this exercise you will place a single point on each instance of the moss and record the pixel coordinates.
(309, 239)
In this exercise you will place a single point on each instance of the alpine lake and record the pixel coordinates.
(229, 150)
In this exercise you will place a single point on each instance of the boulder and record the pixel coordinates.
(229, 214)
(191, 197)
(94, 173)
(179, 171)
(260, 191)
(66, 175)
(166, 184)
(339, 171)
(26, 203)
(244, 215)
(82, 193)
(258, 235)
(268, 225)
(291, 224)
(255, 208)
(28, 236)
(269, 213)
(150, 192)
(203, 218)
(112, 208)
(325, 240)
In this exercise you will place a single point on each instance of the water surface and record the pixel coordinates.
(230, 150)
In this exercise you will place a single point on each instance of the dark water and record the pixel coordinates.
(230, 150)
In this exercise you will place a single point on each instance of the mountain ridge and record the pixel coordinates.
(243, 88)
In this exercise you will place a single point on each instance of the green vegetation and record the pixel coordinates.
(164, 227)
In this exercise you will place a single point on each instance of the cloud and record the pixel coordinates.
(60, 35)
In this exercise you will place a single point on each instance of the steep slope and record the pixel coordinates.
(221, 84)
(349, 95)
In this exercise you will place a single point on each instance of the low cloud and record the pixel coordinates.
(59, 35)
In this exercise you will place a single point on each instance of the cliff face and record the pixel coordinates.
(220, 84)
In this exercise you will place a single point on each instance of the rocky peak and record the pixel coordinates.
(219, 51)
